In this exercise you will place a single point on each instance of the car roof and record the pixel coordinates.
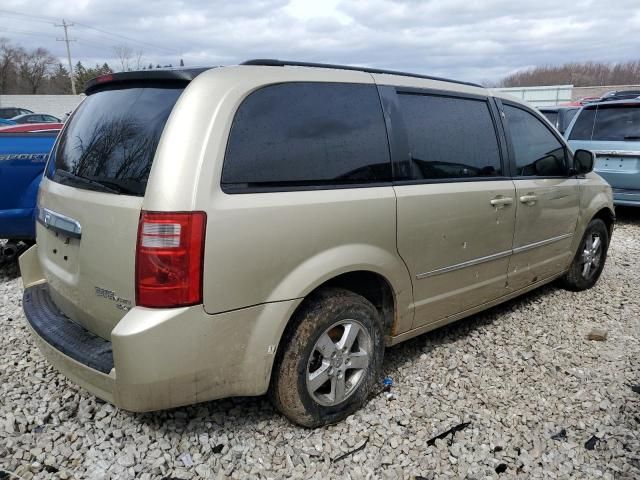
(269, 62)
(31, 127)
(622, 92)
(32, 114)
(381, 76)
(555, 108)
(630, 101)
(187, 74)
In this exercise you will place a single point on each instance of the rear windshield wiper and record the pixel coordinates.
(70, 177)
(632, 137)
(115, 186)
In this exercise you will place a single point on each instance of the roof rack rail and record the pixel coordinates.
(284, 63)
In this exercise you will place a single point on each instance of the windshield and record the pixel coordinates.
(608, 123)
(112, 138)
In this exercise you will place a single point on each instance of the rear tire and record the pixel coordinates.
(590, 258)
(329, 360)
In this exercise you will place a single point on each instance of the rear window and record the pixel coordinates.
(305, 135)
(608, 123)
(112, 138)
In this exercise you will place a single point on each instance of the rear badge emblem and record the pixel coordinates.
(121, 303)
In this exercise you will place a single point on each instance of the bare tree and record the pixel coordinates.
(34, 67)
(139, 59)
(9, 55)
(124, 54)
(577, 74)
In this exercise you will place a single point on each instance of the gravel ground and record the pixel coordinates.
(535, 397)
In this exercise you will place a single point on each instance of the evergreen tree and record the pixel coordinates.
(59, 81)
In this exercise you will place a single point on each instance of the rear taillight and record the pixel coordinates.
(169, 257)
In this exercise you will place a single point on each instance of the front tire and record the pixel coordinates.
(329, 360)
(590, 258)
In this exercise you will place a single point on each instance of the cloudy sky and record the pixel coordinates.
(465, 39)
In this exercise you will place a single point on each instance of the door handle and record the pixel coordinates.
(500, 202)
(529, 198)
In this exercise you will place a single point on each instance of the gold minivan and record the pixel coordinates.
(273, 226)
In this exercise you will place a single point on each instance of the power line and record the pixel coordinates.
(66, 40)
(33, 18)
(172, 50)
(79, 40)
(26, 32)
(50, 20)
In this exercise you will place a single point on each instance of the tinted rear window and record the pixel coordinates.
(307, 135)
(450, 137)
(583, 128)
(9, 112)
(617, 123)
(112, 138)
(608, 123)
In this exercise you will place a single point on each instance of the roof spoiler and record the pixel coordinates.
(164, 75)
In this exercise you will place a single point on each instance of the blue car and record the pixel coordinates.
(5, 122)
(612, 131)
(22, 160)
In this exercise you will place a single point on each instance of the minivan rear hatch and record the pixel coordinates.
(90, 200)
(612, 131)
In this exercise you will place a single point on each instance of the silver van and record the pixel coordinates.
(273, 226)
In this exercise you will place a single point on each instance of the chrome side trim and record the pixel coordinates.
(466, 264)
(495, 256)
(541, 243)
(59, 223)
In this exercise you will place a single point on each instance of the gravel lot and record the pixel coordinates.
(532, 388)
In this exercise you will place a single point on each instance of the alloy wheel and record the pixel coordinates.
(338, 362)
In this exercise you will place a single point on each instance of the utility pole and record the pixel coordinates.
(66, 40)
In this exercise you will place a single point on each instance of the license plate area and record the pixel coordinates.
(611, 163)
(60, 249)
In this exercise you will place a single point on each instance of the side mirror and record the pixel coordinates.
(583, 161)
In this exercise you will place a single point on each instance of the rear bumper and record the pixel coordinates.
(61, 333)
(160, 359)
(626, 197)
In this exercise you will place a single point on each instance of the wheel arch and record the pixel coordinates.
(607, 216)
(372, 285)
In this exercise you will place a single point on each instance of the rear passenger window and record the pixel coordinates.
(450, 137)
(537, 151)
(583, 128)
(307, 134)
